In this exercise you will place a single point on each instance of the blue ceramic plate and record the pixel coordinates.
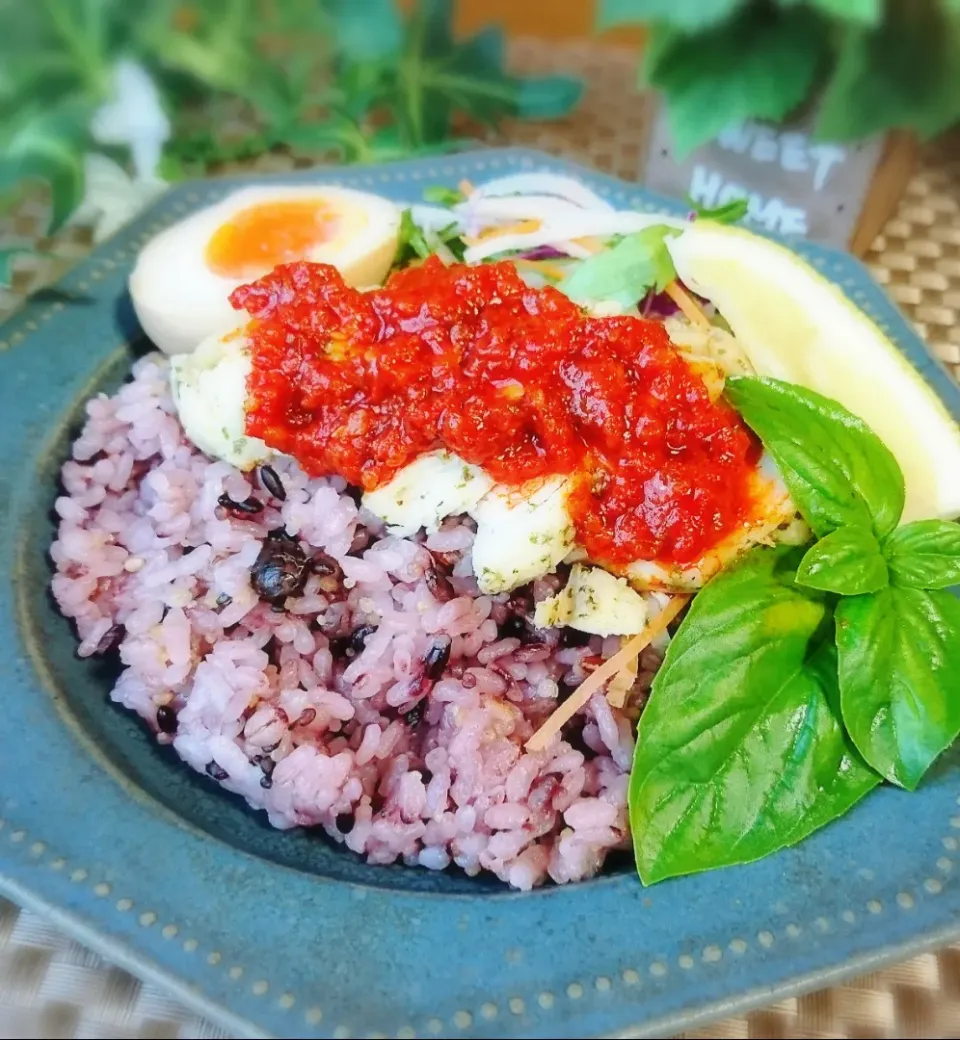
(280, 934)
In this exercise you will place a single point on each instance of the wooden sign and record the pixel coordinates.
(793, 183)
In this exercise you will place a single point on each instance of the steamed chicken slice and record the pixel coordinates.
(424, 492)
(594, 601)
(522, 533)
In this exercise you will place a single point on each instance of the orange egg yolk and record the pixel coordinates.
(258, 238)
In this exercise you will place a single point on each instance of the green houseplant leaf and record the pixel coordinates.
(49, 145)
(685, 14)
(740, 750)
(368, 31)
(905, 72)
(847, 561)
(747, 67)
(899, 665)
(866, 12)
(925, 554)
(838, 470)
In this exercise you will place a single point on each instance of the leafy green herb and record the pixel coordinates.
(847, 561)
(740, 750)
(837, 469)
(729, 213)
(924, 554)
(899, 662)
(441, 196)
(626, 272)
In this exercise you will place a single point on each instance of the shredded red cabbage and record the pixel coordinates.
(543, 253)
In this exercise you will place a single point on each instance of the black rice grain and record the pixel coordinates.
(270, 480)
(249, 506)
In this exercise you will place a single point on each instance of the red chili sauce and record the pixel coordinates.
(517, 380)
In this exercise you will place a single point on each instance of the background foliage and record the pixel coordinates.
(353, 78)
(872, 65)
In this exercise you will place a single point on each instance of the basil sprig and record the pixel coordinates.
(801, 677)
(898, 642)
(740, 750)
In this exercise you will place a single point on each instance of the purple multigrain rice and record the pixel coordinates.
(195, 632)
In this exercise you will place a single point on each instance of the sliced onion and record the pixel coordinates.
(543, 183)
(579, 225)
(432, 218)
(516, 207)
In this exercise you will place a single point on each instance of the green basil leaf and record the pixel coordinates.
(900, 677)
(625, 273)
(729, 213)
(847, 561)
(740, 750)
(925, 554)
(837, 469)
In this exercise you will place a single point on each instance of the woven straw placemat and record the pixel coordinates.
(51, 987)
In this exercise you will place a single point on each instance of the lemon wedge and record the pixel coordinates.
(794, 325)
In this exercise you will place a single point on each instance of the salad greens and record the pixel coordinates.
(415, 242)
(728, 213)
(627, 271)
(801, 678)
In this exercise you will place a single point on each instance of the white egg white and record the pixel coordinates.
(180, 301)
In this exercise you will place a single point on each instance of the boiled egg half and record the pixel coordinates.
(183, 277)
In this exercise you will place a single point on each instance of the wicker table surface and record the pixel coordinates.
(51, 987)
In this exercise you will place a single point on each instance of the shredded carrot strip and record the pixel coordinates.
(622, 683)
(606, 671)
(520, 228)
(591, 243)
(466, 187)
(687, 304)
